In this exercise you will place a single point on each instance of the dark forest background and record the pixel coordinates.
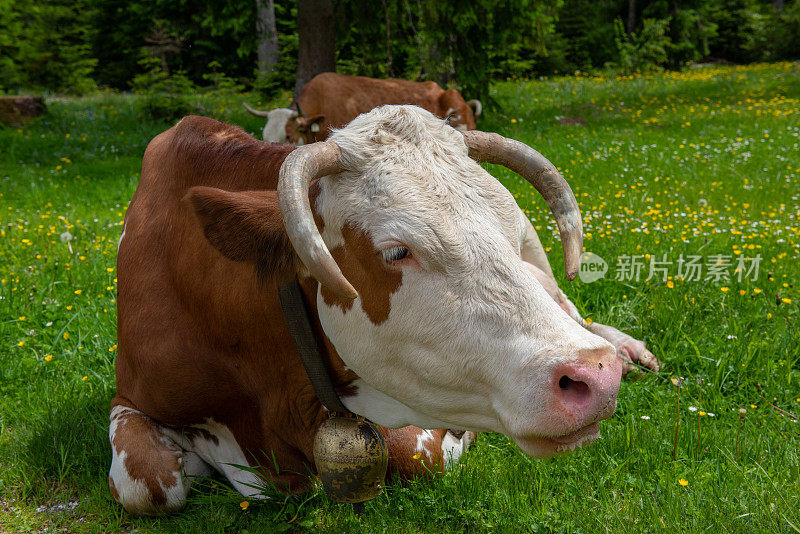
(76, 46)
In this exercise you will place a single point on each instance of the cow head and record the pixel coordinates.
(422, 289)
(459, 114)
(304, 130)
(275, 129)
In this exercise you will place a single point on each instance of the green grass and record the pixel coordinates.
(700, 163)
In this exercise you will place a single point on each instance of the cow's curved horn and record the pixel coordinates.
(299, 168)
(535, 168)
(476, 106)
(255, 112)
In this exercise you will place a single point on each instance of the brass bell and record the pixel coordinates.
(351, 459)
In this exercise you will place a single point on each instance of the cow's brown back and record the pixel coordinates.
(342, 98)
(200, 336)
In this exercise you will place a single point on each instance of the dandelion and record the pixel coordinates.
(670, 284)
(683, 482)
(48, 357)
(22, 318)
(85, 378)
(110, 269)
(786, 300)
(417, 456)
(244, 505)
(21, 343)
(112, 348)
(78, 291)
(753, 406)
(724, 289)
(701, 413)
(756, 290)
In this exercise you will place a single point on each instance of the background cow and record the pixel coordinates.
(428, 291)
(331, 100)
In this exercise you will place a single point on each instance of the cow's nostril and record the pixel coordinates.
(574, 390)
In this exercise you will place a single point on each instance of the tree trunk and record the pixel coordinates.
(267, 36)
(317, 45)
(631, 25)
(388, 39)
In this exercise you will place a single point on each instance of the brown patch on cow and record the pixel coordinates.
(113, 489)
(193, 432)
(452, 100)
(147, 457)
(572, 121)
(313, 192)
(363, 265)
(402, 445)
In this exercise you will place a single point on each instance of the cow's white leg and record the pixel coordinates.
(150, 474)
(629, 350)
(414, 451)
(217, 446)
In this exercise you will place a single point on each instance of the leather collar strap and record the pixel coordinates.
(296, 316)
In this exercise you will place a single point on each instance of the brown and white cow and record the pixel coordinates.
(428, 291)
(331, 100)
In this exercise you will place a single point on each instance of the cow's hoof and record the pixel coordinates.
(632, 351)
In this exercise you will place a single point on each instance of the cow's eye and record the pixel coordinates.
(396, 254)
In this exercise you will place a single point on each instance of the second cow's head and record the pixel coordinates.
(422, 289)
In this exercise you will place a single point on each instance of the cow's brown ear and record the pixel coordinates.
(245, 226)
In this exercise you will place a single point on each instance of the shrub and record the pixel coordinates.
(644, 51)
(165, 97)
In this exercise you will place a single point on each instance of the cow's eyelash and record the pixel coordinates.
(396, 253)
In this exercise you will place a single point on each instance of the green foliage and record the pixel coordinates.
(68, 46)
(452, 42)
(644, 51)
(785, 37)
(221, 84)
(165, 97)
(45, 46)
(587, 28)
(740, 30)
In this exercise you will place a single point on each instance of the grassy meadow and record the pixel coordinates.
(704, 163)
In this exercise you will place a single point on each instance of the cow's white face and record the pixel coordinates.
(275, 129)
(450, 328)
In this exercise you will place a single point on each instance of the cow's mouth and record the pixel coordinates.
(550, 445)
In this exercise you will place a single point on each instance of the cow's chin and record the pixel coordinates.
(546, 446)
